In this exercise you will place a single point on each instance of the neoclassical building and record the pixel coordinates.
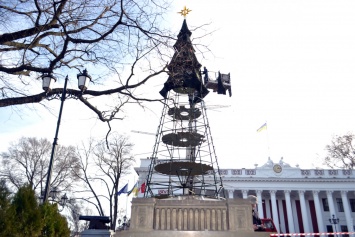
(298, 200)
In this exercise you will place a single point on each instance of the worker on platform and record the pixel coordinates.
(257, 224)
(205, 72)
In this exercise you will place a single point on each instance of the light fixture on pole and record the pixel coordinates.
(48, 80)
(125, 224)
(63, 200)
(334, 221)
(53, 193)
(83, 80)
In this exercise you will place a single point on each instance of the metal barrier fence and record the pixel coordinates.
(315, 234)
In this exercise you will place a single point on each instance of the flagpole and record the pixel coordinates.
(128, 195)
(126, 204)
(262, 128)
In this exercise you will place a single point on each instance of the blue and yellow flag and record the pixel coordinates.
(263, 127)
(134, 190)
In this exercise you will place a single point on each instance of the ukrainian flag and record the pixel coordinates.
(134, 190)
(262, 128)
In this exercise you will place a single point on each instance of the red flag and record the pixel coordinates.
(143, 188)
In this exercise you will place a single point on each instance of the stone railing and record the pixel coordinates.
(300, 173)
(190, 218)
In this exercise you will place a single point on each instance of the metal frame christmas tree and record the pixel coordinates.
(184, 160)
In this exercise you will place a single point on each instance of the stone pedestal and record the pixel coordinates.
(190, 216)
(97, 233)
(97, 226)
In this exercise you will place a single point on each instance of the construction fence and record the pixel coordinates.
(332, 234)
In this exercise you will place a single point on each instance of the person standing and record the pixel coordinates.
(257, 224)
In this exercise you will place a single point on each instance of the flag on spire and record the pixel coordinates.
(123, 190)
(262, 128)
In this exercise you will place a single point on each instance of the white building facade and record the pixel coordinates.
(298, 200)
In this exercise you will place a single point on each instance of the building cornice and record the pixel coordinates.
(281, 180)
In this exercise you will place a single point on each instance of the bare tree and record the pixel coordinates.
(49, 36)
(103, 166)
(74, 209)
(341, 153)
(26, 162)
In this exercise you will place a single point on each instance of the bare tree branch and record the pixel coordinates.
(341, 153)
(111, 164)
(26, 162)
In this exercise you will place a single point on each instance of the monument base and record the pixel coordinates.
(193, 234)
(191, 216)
(97, 233)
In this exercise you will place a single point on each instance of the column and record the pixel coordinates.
(304, 211)
(331, 204)
(319, 216)
(245, 193)
(230, 193)
(295, 215)
(332, 210)
(347, 211)
(275, 215)
(281, 216)
(267, 209)
(260, 203)
(291, 225)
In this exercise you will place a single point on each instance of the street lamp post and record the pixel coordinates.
(334, 221)
(63, 200)
(125, 225)
(124, 222)
(48, 80)
(53, 198)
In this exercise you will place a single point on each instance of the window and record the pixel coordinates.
(344, 228)
(325, 204)
(330, 230)
(340, 205)
(352, 205)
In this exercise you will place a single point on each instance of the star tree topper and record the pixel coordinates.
(184, 11)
